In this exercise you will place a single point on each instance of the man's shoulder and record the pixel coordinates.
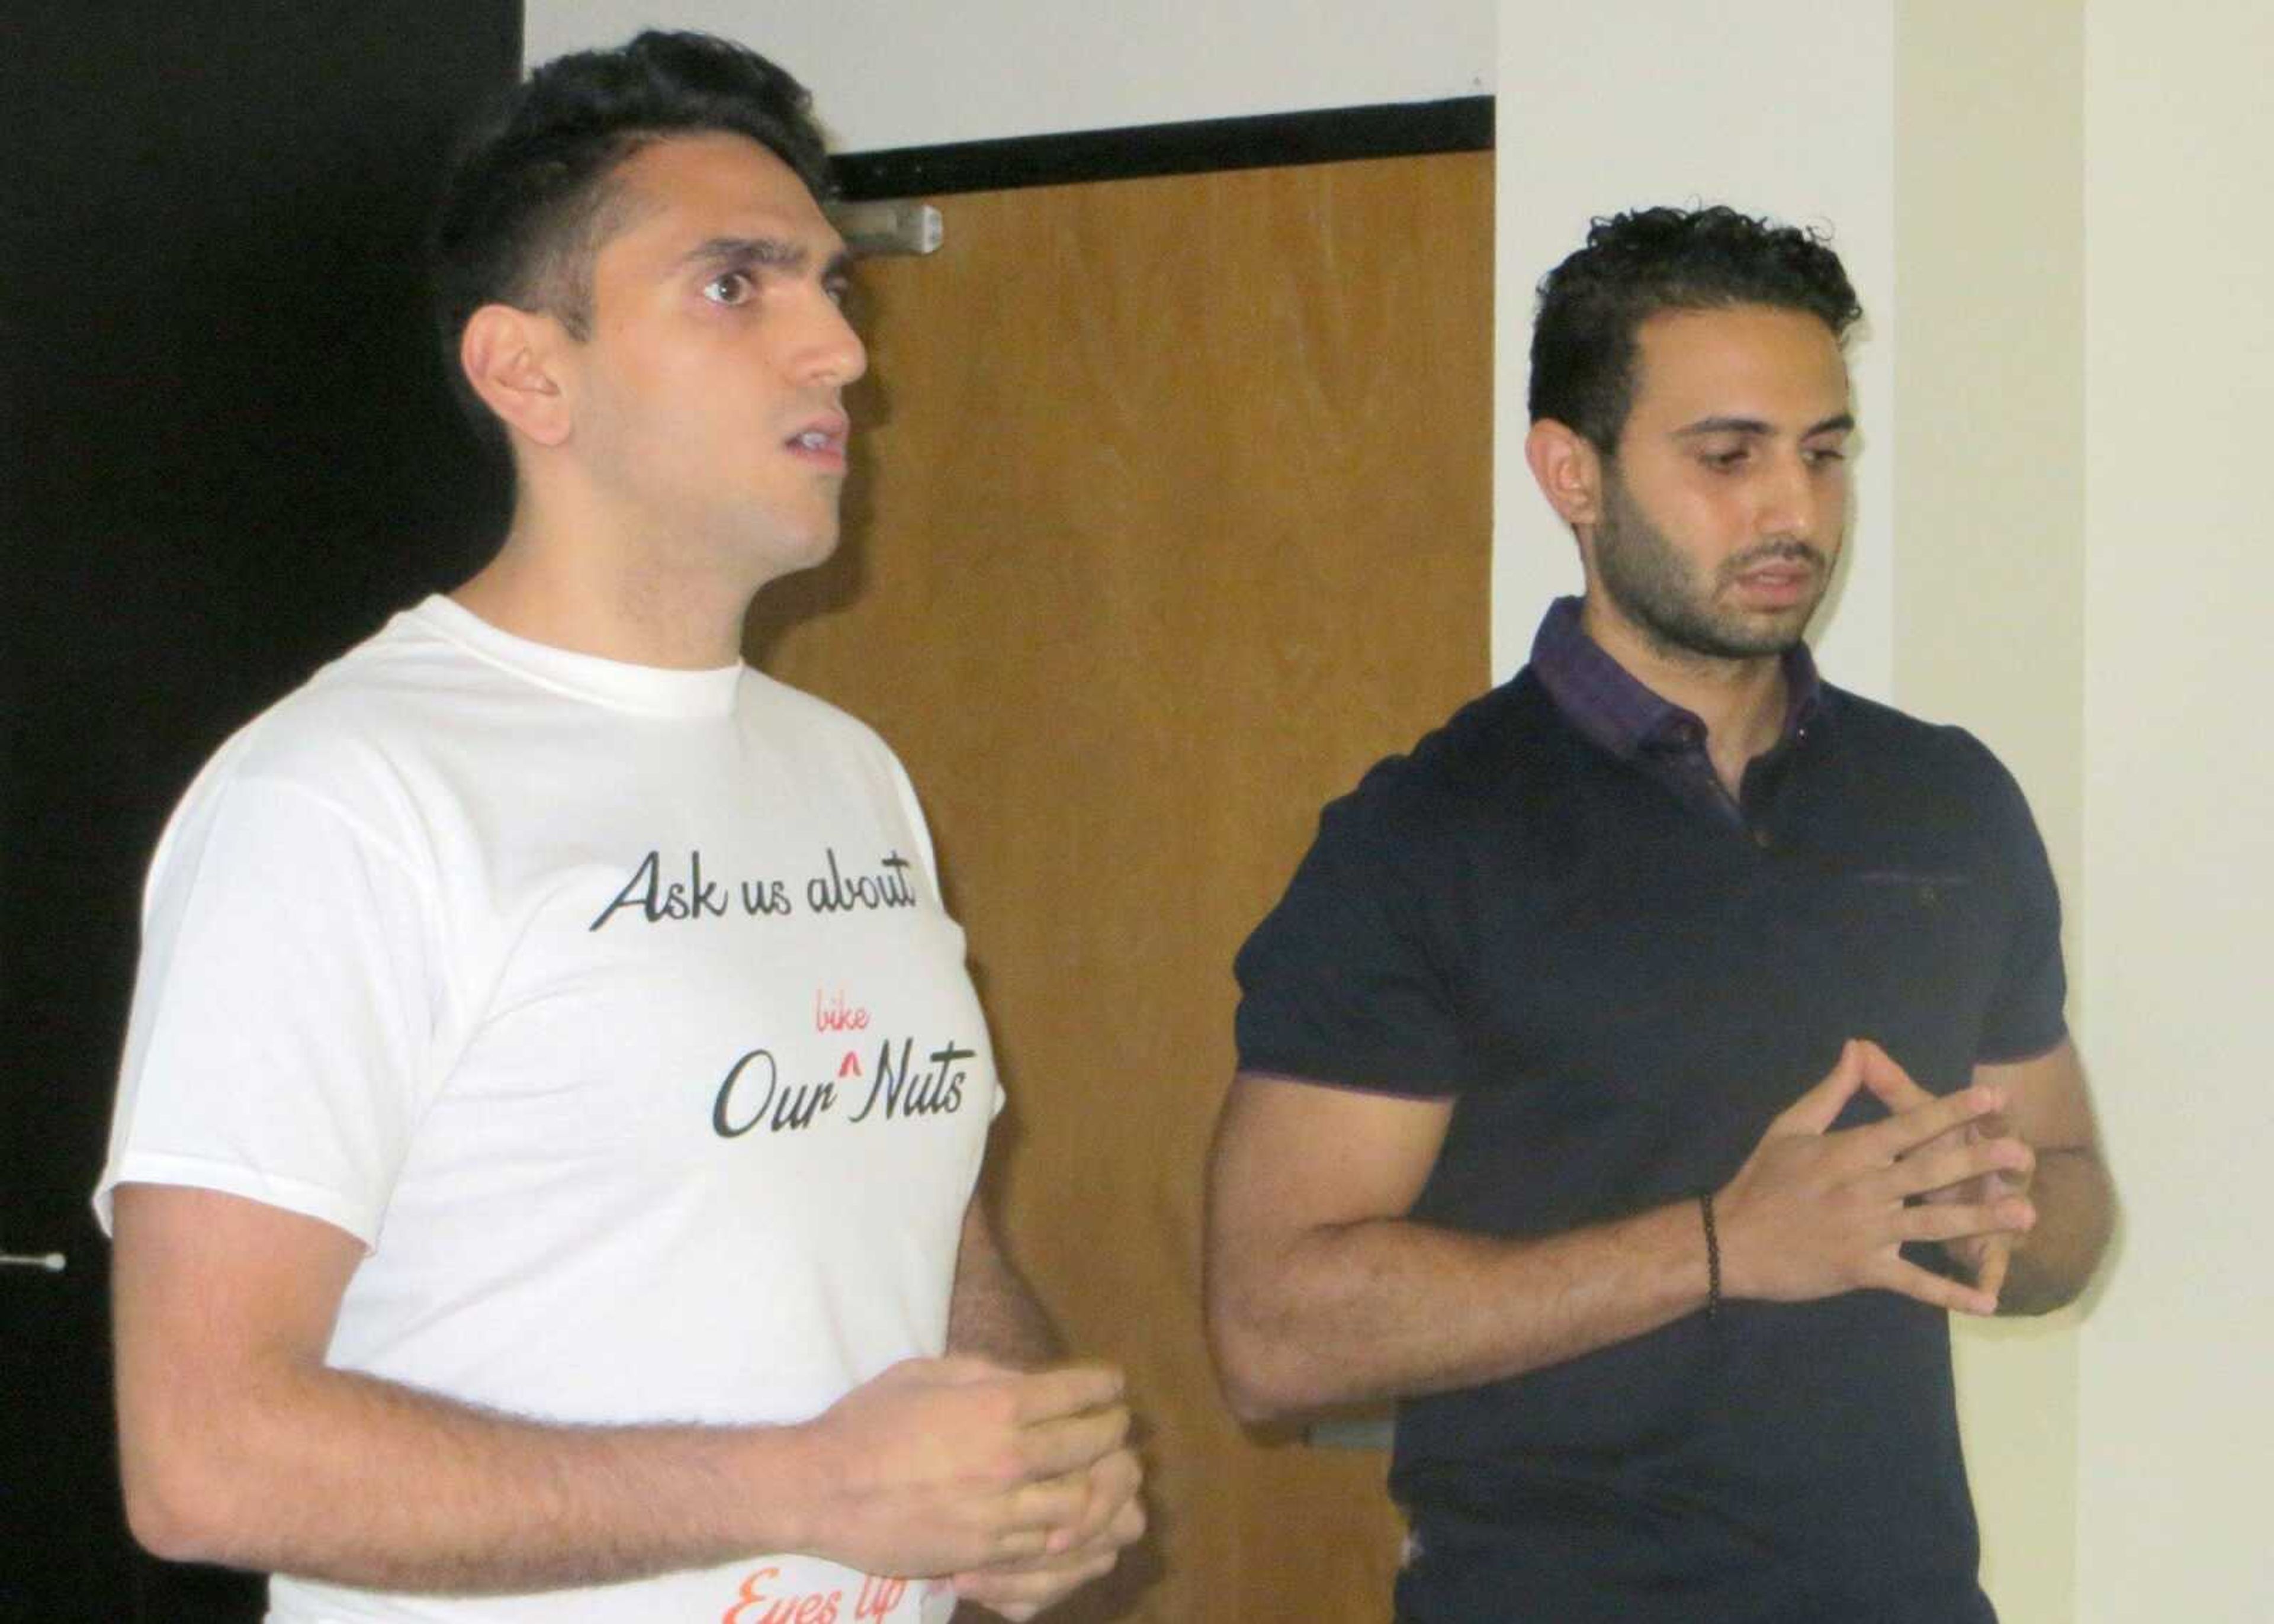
(339, 710)
(1475, 777)
(1873, 731)
(401, 735)
(795, 715)
(1499, 738)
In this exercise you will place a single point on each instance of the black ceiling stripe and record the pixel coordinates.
(1268, 141)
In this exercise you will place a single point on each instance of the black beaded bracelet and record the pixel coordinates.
(1713, 1255)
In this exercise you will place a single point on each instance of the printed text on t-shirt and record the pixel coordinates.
(753, 1091)
(757, 1605)
(655, 899)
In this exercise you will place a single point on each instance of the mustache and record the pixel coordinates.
(1777, 553)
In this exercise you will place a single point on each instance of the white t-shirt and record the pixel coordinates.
(615, 1010)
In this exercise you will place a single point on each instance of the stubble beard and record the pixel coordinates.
(1655, 588)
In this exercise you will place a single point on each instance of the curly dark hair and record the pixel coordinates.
(1636, 266)
(529, 199)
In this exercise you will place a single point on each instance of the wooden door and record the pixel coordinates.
(1172, 515)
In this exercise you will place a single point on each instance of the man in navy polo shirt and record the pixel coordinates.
(1636, 1075)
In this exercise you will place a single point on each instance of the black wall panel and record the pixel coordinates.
(226, 452)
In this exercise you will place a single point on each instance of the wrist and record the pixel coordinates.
(1729, 1245)
(1673, 1237)
(780, 1480)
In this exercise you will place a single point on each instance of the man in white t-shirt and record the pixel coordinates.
(544, 1173)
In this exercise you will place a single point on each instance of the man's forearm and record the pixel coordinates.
(2053, 1264)
(993, 1313)
(1314, 1301)
(932, 1467)
(1390, 1308)
(239, 1444)
(362, 1482)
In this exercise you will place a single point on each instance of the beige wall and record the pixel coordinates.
(2087, 272)
(2177, 1439)
(1990, 585)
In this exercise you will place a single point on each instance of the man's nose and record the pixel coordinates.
(831, 353)
(1794, 499)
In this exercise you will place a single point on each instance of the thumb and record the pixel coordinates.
(1815, 1112)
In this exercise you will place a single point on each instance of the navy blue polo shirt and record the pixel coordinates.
(1619, 976)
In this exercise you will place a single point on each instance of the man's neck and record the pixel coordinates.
(574, 587)
(1743, 702)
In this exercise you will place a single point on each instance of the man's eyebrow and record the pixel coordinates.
(1721, 425)
(1840, 422)
(773, 252)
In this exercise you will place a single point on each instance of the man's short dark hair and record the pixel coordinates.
(529, 201)
(1639, 265)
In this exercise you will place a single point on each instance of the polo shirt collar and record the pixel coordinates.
(1613, 709)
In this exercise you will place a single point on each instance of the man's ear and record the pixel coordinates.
(1569, 469)
(511, 358)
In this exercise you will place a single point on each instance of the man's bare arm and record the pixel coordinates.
(994, 1314)
(240, 1446)
(1321, 1289)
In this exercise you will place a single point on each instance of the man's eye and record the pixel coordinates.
(1827, 456)
(733, 287)
(1723, 462)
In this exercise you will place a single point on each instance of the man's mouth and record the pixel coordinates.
(1786, 567)
(823, 440)
(1782, 580)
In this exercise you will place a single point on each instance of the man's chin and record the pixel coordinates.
(1748, 638)
(1766, 631)
(779, 554)
(817, 549)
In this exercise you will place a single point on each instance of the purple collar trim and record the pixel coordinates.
(1601, 698)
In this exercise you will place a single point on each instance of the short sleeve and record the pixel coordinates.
(283, 1010)
(2026, 1012)
(1343, 983)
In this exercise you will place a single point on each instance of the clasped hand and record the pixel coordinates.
(1020, 1484)
(1813, 1212)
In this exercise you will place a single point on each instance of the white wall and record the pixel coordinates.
(886, 74)
(2178, 1435)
